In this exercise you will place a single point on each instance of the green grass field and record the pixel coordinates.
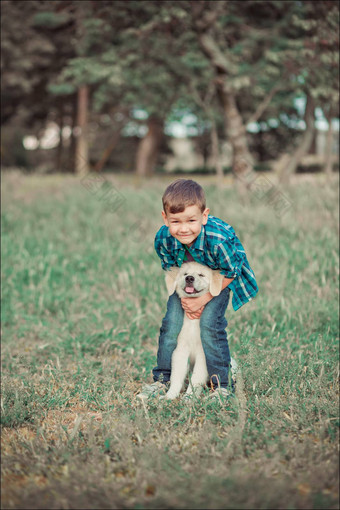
(83, 297)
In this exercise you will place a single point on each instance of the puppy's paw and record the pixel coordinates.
(171, 395)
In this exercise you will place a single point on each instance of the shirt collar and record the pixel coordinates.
(177, 244)
(198, 244)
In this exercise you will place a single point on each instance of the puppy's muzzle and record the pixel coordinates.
(189, 285)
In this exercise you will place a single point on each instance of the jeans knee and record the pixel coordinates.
(171, 328)
(206, 324)
(213, 327)
(214, 340)
(208, 329)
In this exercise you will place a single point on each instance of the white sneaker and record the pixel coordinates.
(152, 390)
(221, 395)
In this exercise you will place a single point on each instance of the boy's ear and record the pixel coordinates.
(165, 218)
(171, 280)
(216, 283)
(205, 215)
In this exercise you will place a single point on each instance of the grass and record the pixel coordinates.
(82, 301)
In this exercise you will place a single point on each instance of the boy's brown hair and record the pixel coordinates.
(181, 194)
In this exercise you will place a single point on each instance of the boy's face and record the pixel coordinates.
(186, 226)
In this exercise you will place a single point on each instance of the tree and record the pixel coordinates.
(33, 55)
(116, 67)
(234, 41)
(218, 27)
(313, 60)
(257, 53)
(25, 57)
(150, 83)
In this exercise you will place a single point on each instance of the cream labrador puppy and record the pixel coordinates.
(191, 280)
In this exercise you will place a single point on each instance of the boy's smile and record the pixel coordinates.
(186, 226)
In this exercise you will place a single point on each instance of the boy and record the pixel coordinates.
(191, 234)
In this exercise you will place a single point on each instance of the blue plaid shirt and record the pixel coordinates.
(217, 247)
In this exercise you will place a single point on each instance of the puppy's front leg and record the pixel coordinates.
(179, 368)
(199, 375)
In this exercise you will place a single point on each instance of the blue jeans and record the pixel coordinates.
(213, 336)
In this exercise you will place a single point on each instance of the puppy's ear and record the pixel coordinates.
(170, 280)
(216, 283)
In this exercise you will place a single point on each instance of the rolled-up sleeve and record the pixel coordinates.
(230, 257)
(167, 260)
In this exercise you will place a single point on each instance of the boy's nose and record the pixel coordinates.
(189, 279)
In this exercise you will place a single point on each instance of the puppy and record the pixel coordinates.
(191, 280)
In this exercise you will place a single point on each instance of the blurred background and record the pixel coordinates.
(146, 87)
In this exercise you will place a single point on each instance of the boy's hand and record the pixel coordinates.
(195, 315)
(194, 304)
(194, 307)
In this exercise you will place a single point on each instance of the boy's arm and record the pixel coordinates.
(167, 259)
(226, 282)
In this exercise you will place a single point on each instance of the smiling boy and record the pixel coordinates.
(190, 234)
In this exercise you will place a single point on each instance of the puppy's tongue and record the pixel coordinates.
(189, 290)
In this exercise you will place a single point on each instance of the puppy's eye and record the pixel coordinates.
(185, 274)
(201, 275)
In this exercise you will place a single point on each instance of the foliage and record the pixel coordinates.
(35, 47)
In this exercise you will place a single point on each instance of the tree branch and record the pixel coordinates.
(214, 54)
(203, 103)
(263, 105)
(203, 20)
(203, 17)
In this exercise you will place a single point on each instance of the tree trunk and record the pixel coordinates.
(112, 145)
(304, 146)
(148, 149)
(203, 21)
(81, 157)
(328, 168)
(216, 154)
(242, 161)
(107, 152)
(60, 148)
(71, 167)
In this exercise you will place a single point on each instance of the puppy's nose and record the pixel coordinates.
(189, 279)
